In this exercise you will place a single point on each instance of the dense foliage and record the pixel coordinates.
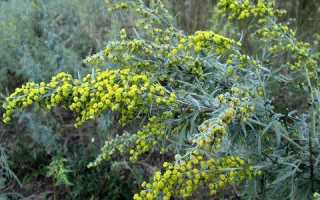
(227, 113)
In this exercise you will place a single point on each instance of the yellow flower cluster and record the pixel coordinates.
(213, 131)
(130, 52)
(237, 100)
(59, 88)
(205, 41)
(118, 90)
(135, 144)
(283, 41)
(120, 144)
(150, 135)
(183, 178)
(192, 66)
(124, 53)
(275, 31)
(242, 61)
(117, 6)
(95, 60)
(244, 9)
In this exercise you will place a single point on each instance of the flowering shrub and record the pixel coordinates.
(204, 107)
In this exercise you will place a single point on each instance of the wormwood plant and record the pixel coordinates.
(206, 112)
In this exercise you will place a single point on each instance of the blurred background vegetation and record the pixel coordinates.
(41, 157)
